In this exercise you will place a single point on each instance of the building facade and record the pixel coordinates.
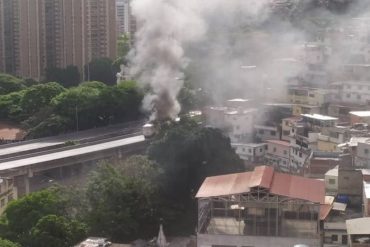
(40, 34)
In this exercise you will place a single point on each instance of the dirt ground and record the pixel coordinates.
(11, 132)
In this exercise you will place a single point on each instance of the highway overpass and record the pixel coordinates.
(69, 158)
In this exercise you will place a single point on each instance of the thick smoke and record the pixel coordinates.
(230, 48)
(165, 27)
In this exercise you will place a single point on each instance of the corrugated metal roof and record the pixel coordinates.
(263, 176)
(298, 187)
(360, 226)
(325, 210)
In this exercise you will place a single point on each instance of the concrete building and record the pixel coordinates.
(260, 208)
(250, 153)
(266, 132)
(366, 199)
(308, 96)
(362, 153)
(359, 117)
(331, 137)
(215, 116)
(39, 34)
(341, 110)
(300, 109)
(278, 155)
(358, 231)
(286, 126)
(239, 124)
(335, 230)
(123, 17)
(353, 92)
(331, 182)
(304, 138)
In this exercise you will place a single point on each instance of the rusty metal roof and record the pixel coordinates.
(298, 187)
(265, 177)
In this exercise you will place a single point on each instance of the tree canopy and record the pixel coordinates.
(68, 77)
(101, 69)
(40, 219)
(39, 96)
(57, 231)
(121, 207)
(7, 243)
(188, 153)
(9, 84)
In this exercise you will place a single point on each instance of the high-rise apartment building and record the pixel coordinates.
(39, 34)
(126, 23)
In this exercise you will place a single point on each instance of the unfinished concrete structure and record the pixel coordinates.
(260, 208)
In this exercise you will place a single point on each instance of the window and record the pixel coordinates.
(358, 96)
(300, 154)
(331, 181)
(334, 238)
(243, 149)
(366, 151)
(261, 132)
(272, 132)
(286, 132)
(285, 152)
(344, 239)
(274, 150)
(261, 149)
(312, 95)
(250, 151)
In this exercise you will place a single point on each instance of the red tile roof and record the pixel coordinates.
(263, 176)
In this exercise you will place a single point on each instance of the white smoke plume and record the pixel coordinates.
(215, 41)
(165, 27)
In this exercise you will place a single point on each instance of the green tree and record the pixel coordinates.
(49, 126)
(39, 96)
(7, 243)
(81, 103)
(188, 153)
(101, 69)
(10, 108)
(9, 84)
(120, 103)
(123, 46)
(121, 207)
(57, 231)
(68, 77)
(141, 168)
(94, 84)
(23, 214)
